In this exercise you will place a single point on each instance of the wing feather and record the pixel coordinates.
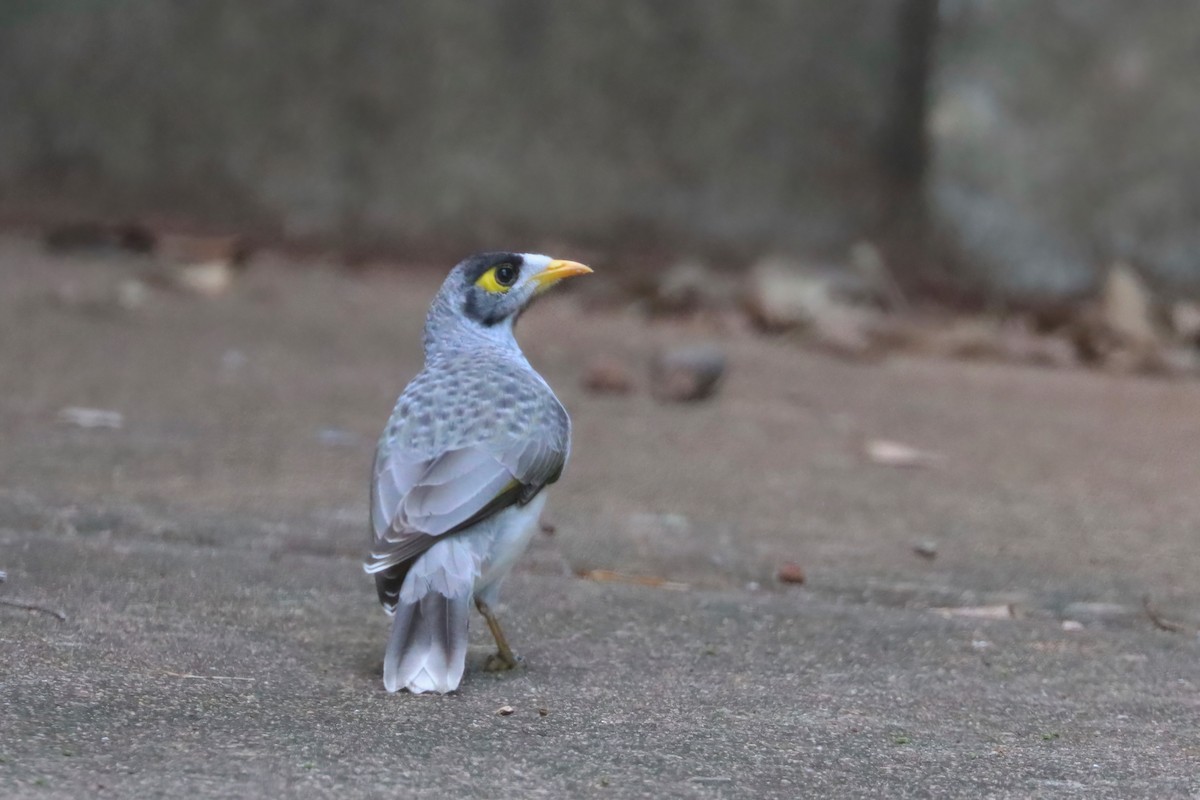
(438, 509)
(418, 498)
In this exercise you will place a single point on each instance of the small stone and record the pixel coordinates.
(1071, 625)
(783, 293)
(1126, 306)
(607, 375)
(505, 711)
(927, 549)
(206, 278)
(542, 712)
(202, 265)
(1185, 321)
(845, 331)
(790, 572)
(687, 374)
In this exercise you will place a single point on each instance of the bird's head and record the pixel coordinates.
(488, 291)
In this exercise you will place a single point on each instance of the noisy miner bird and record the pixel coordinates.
(460, 470)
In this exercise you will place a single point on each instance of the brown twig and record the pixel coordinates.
(1161, 622)
(609, 576)
(34, 607)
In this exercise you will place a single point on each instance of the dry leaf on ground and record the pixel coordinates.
(610, 576)
(91, 417)
(980, 612)
(888, 453)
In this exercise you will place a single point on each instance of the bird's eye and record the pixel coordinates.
(506, 275)
(498, 279)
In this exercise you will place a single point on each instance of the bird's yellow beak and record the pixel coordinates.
(556, 271)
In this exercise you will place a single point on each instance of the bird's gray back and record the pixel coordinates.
(488, 398)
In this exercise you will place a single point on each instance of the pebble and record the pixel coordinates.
(687, 374)
(791, 572)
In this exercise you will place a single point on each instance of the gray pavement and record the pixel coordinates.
(221, 641)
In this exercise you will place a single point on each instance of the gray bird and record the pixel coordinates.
(460, 470)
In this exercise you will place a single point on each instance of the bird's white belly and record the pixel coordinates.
(477, 559)
(509, 535)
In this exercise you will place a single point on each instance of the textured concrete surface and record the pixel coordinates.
(221, 641)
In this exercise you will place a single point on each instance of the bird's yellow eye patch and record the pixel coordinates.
(499, 279)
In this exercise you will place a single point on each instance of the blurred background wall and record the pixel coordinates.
(1064, 138)
(1014, 148)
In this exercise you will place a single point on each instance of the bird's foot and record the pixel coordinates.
(502, 662)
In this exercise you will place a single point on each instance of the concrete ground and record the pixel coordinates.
(220, 639)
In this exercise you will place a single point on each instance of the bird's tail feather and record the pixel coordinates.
(427, 650)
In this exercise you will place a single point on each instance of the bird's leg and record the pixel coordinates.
(503, 659)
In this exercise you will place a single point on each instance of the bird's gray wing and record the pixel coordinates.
(416, 499)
